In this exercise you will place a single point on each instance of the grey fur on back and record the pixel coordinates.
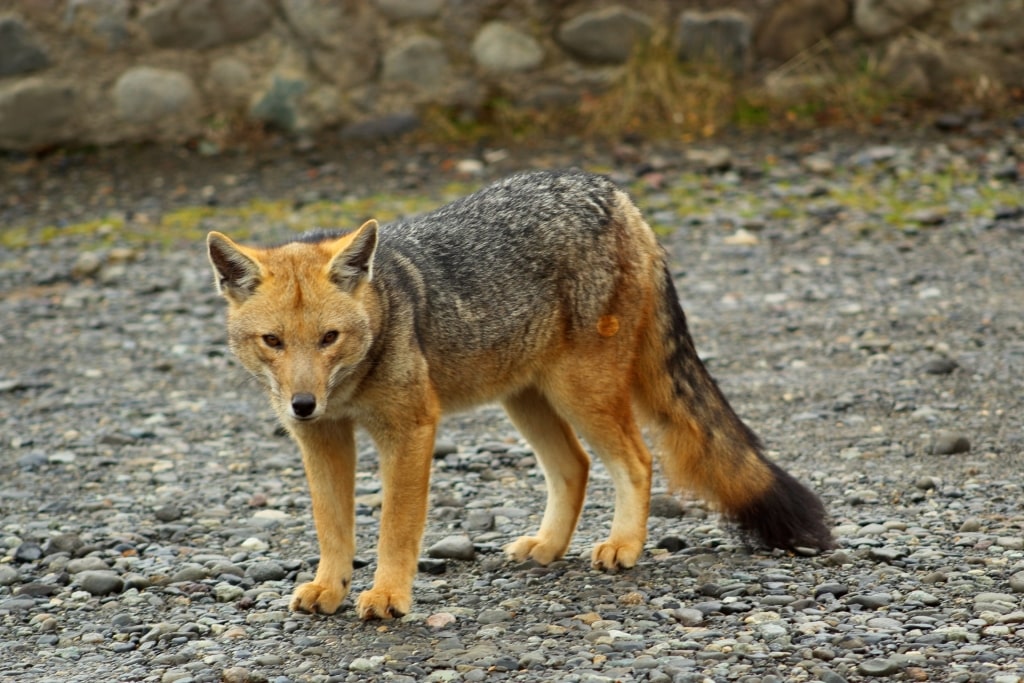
(482, 269)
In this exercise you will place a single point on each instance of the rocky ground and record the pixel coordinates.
(860, 301)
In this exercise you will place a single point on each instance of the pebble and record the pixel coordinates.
(940, 366)
(1016, 582)
(949, 443)
(457, 547)
(666, 505)
(879, 667)
(8, 575)
(266, 571)
(100, 582)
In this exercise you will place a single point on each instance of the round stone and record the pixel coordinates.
(100, 582)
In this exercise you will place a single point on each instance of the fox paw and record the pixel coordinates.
(534, 548)
(314, 597)
(611, 555)
(380, 603)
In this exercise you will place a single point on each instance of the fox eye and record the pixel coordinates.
(329, 338)
(272, 340)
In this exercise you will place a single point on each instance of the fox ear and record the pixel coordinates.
(353, 265)
(236, 274)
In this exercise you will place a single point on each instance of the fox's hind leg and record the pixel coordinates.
(595, 399)
(565, 465)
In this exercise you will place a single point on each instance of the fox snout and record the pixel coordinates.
(303, 406)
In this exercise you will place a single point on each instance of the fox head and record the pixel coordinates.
(297, 315)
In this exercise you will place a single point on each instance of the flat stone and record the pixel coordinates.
(721, 38)
(406, 10)
(493, 616)
(940, 366)
(202, 24)
(20, 50)
(949, 443)
(607, 35)
(104, 582)
(420, 60)
(500, 47)
(86, 564)
(147, 95)
(383, 128)
(266, 571)
(458, 547)
(877, 666)
(1016, 582)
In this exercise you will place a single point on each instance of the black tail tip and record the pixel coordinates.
(787, 516)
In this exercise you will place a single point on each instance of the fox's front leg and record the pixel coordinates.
(329, 456)
(406, 453)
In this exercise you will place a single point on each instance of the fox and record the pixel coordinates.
(546, 292)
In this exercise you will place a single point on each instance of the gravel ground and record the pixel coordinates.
(860, 301)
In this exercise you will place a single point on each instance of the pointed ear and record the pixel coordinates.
(236, 274)
(353, 265)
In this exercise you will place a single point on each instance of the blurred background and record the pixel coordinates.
(222, 75)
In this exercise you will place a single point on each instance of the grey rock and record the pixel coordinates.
(28, 552)
(721, 38)
(8, 575)
(877, 666)
(202, 24)
(279, 104)
(147, 95)
(406, 10)
(479, 520)
(949, 443)
(20, 50)
(940, 366)
(493, 616)
(870, 600)
(266, 571)
(167, 513)
(383, 128)
(666, 505)
(457, 547)
(100, 582)
(878, 18)
(187, 573)
(792, 26)
(101, 23)
(923, 597)
(836, 589)
(35, 112)
(501, 48)
(87, 563)
(64, 543)
(971, 525)
(419, 60)
(1016, 582)
(886, 554)
(608, 35)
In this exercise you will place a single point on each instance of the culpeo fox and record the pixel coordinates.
(547, 292)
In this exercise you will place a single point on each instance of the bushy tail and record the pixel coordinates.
(705, 447)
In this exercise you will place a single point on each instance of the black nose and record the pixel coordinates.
(303, 405)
